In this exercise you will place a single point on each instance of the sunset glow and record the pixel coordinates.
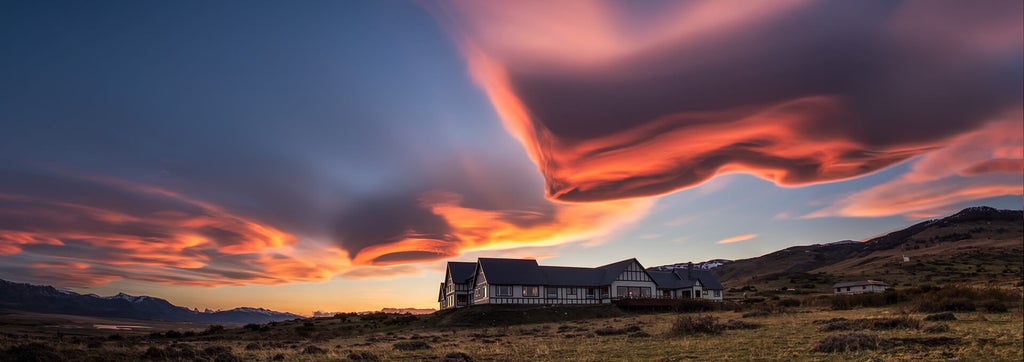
(332, 156)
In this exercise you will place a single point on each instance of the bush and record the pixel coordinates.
(608, 331)
(411, 346)
(994, 306)
(735, 324)
(757, 313)
(944, 316)
(847, 342)
(311, 349)
(934, 304)
(890, 323)
(936, 328)
(843, 324)
(457, 357)
(788, 302)
(363, 356)
(214, 329)
(686, 324)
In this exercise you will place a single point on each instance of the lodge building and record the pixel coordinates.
(523, 281)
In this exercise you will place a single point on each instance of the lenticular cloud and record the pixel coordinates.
(617, 100)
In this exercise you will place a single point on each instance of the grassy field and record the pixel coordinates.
(772, 330)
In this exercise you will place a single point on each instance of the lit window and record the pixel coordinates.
(531, 291)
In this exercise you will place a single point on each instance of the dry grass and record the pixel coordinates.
(782, 336)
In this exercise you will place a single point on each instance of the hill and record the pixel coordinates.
(47, 299)
(978, 244)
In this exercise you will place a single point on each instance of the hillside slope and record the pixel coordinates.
(978, 244)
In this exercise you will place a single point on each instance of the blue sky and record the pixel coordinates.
(332, 155)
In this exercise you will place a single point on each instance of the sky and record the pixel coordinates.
(332, 155)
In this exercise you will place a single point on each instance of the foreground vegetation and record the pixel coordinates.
(915, 326)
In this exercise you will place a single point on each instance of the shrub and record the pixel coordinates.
(890, 323)
(944, 316)
(936, 328)
(847, 342)
(994, 306)
(155, 353)
(253, 347)
(695, 324)
(173, 334)
(311, 349)
(639, 334)
(457, 357)
(788, 302)
(411, 346)
(735, 324)
(934, 304)
(757, 313)
(608, 331)
(214, 329)
(363, 356)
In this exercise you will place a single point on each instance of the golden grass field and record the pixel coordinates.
(788, 334)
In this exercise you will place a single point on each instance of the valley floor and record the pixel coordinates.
(790, 334)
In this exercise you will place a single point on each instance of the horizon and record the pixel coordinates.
(333, 156)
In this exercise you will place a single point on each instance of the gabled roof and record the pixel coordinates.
(669, 280)
(440, 293)
(683, 278)
(462, 272)
(613, 270)
(707, 280)
(511, 271)
(859, 283)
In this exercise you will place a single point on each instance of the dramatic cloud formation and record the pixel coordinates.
(86, 231)
(985, 163)
(619, 100)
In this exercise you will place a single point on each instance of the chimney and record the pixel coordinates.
(689, 270)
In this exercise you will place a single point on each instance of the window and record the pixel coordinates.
(718, 294)
(605, 291)
(552, 292)
(705, 292)
(633, 292)
(570, 291)
(503, 291)
(591, 293)
(478, 293)
(531, 291)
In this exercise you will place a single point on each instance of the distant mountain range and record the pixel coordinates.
(47, 299)
(977, 244)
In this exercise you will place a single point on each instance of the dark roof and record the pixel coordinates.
(859, 283)
(440, 293)
(511, 271)
(563, 275)
(669, 280)
(613, 270)
(462, 272)
(682, 278)
(706, 279)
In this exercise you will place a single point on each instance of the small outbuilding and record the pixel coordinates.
(858, 287)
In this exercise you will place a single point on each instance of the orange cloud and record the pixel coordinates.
(477, 229)
(737, 238)
(977, 165)
(168, 238)
(610, 107)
